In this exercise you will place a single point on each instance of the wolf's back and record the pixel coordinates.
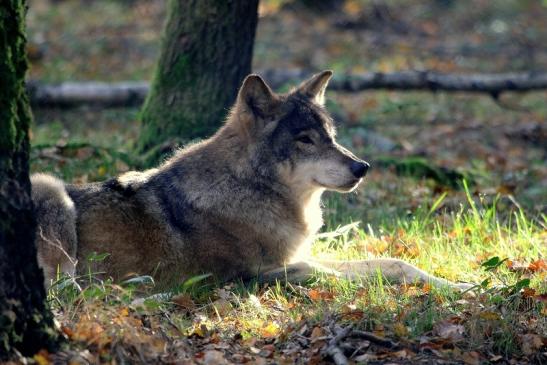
(56, 238)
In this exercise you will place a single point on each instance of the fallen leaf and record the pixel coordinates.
(400, 329)
(89, 331)
(101, 171)
(490, 316)
(200, 330)
(317, 332)
(412, 290)
(67, 331)
(258, 361)
(253, 299)
(316, 295)
(240, 359)
(533, 267)
(403, 354)
(222, 306)
(213, 357)
(471, 358)
(537, 265)
(267, 351)
(448, 330)
(184, 300)
(84, 153)
(531, 343)
(350, 311)
(121, 166)
(379, 330)
(42, 358)
(528, 292)
(270, 330)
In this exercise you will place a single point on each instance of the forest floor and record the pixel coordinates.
(493, 232)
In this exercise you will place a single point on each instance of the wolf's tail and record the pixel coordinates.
(56, 238)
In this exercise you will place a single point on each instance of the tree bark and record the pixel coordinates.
(26, 325)
(134, 93)
(206, 52)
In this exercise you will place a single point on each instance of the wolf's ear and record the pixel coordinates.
(314, 88)
(257, 97)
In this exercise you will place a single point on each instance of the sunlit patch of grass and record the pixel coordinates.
(446, 243)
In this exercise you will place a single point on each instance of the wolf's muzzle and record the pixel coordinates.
(359, 168)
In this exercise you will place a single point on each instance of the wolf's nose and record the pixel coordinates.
(359, 168)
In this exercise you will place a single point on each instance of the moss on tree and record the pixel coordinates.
(25, 321)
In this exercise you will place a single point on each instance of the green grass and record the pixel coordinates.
(447, 243)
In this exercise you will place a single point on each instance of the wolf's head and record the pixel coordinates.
(292, 137)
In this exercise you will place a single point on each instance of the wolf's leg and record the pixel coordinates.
(393, 269)
(296, 273)
(56, 239)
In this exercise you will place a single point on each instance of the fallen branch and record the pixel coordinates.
(421, 80)
(127, 93)
(374, 339)
(335, 352)
(133, 93)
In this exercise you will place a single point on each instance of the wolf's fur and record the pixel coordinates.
(56, 233)
(244, 203)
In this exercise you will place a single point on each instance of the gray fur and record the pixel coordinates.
(56, 230)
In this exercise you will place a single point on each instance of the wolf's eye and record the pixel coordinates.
(304, 139)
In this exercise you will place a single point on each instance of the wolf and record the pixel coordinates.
(243, 204)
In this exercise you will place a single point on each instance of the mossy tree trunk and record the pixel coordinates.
(25, 321)
(206, 52)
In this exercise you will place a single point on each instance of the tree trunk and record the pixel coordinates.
(206, 52)
(26, 325)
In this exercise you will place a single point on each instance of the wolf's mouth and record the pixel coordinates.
(342, 188)
(352, 186)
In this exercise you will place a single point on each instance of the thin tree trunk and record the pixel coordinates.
(26, 324)
(206, 52)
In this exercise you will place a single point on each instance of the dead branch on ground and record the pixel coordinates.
(133, 93)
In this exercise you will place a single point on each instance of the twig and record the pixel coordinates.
(374, 339)
(336, 352)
